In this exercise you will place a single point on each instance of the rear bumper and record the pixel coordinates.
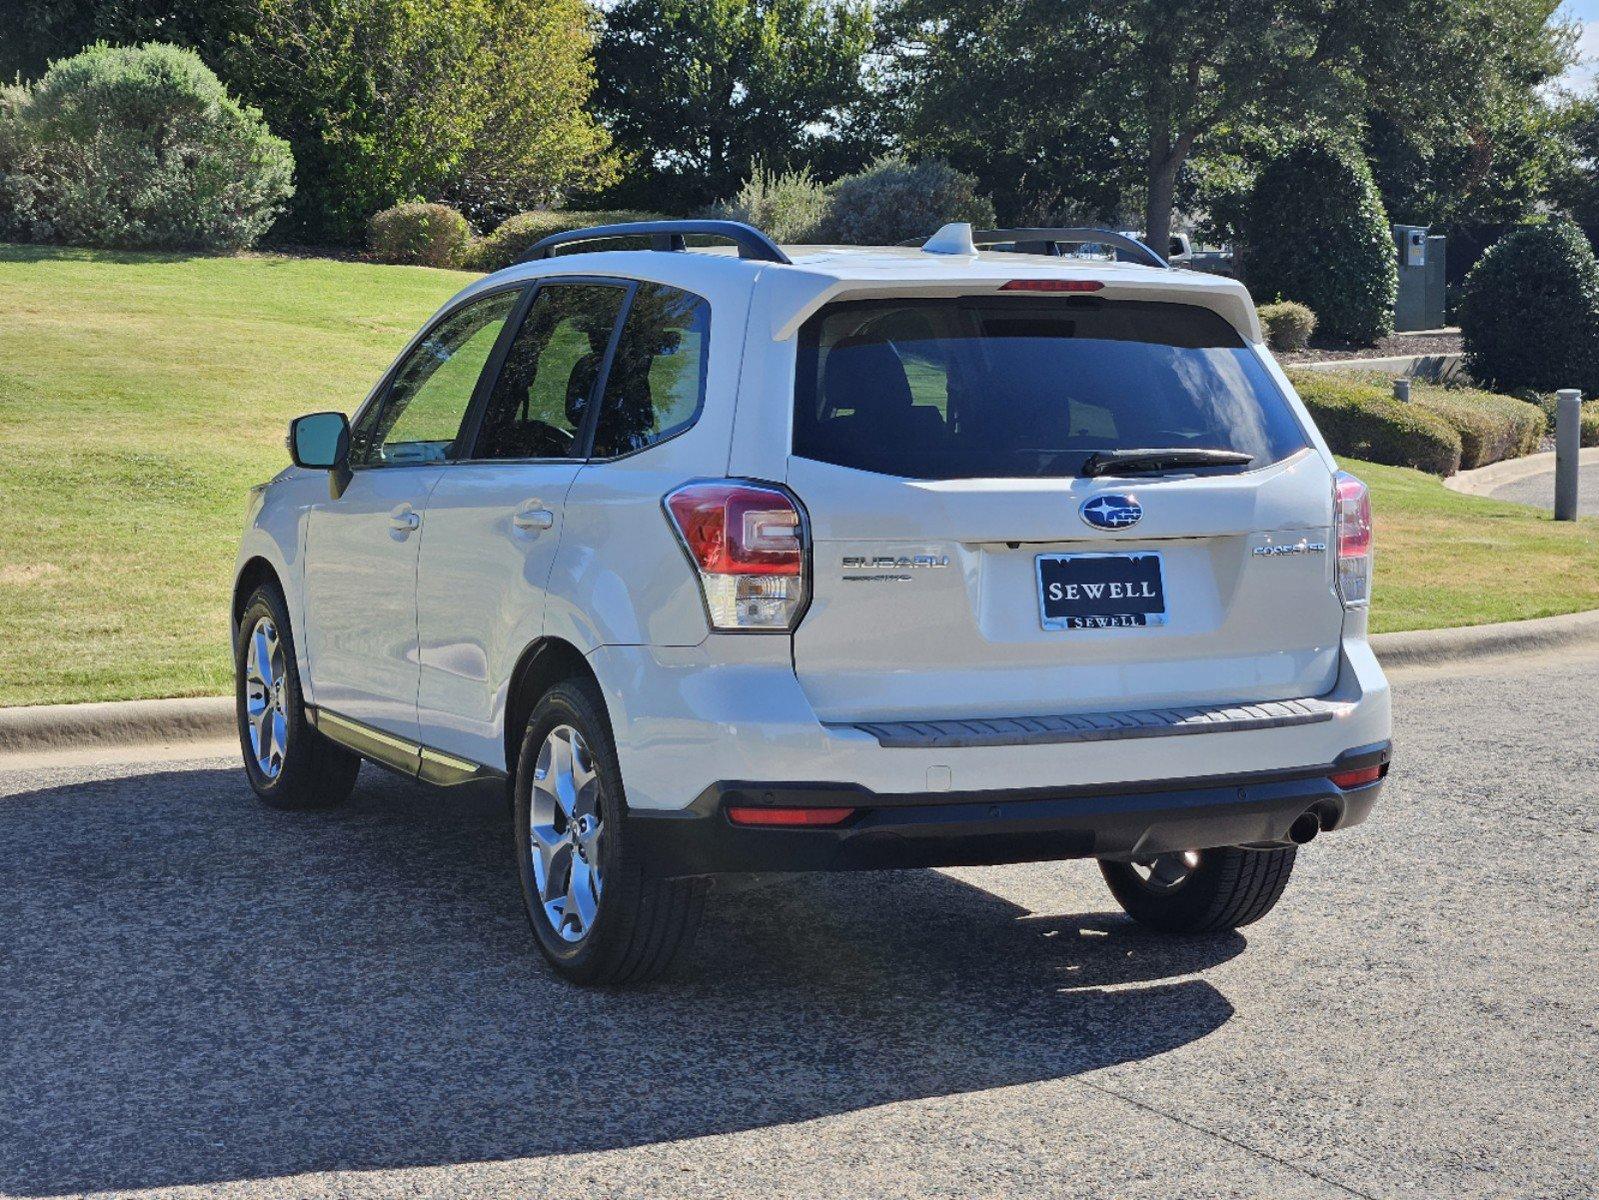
(985, 828)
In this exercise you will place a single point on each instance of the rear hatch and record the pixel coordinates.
(973, 558)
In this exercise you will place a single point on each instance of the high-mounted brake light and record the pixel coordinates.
(1052, 285)
(747, 542)
(1359, 777)
(1352, 518)
(789, 816)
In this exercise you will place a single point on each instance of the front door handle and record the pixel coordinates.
(405, 519)
(532, 518)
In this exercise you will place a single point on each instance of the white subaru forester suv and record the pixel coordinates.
(828, 559)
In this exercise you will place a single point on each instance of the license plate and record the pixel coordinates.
(1101, 591)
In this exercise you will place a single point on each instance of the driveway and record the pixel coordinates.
(199, 996)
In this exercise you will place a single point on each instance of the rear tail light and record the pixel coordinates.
(1359, 777)
(1352, 518)
(748, 543)
(789, 816)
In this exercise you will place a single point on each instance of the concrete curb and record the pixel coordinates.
(1435, 647)
(1432, 367)
(48, 727)
(42, 727)
(1485, 480)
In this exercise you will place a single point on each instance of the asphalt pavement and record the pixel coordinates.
(1539, 490)
(199, 996)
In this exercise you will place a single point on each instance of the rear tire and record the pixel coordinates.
(289, 764)
(597, 917)
(1201, 891)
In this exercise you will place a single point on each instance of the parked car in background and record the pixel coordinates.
(852, 558)
(1183, 253)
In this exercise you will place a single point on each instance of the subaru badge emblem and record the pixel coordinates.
(1111, 512)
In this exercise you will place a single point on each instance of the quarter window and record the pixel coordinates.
(551, 371)
(657, 378)
(419, 420)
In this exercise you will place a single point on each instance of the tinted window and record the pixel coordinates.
(550, 373)
(419, 421)
(658, 376)
(934, 389)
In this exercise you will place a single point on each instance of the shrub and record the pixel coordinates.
(1316, 230)
(1362, 420)
(137, 146)
(1589, 427)
(1288, 325)
(1491, 427)
(517, 233)
(1529, 316)
(790, 206)
(892, 201)
(429, 235)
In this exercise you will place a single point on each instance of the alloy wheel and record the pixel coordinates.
(265, 681)
(565, 829)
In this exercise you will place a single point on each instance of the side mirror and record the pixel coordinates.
(320, 441)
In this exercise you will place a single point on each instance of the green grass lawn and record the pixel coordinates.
(141, 396)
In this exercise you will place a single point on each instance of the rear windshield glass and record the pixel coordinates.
(1020, 388)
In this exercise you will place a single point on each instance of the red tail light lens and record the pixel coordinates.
(1352, 518)
(748, 544)
(789, 816)
(1052, 285)
(1359, 777)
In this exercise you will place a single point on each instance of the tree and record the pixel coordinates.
(697, 92)
(1317, 234)
(1164, 78)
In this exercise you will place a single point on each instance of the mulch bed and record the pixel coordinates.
(1328, 350)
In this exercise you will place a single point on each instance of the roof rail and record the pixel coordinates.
(667, 235)
(1047, 240)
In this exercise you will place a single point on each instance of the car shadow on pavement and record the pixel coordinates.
(197, 989)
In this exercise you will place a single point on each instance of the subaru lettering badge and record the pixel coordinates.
(1111, 512)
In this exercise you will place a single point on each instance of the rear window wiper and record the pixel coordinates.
(1103, 462)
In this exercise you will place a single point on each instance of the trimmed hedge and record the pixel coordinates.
(1288, 325)
(1491, 427)
(1361, 420)
(516, 234)
(1550, 407)
(1529, 316)
(426, 235)
(1316, 230)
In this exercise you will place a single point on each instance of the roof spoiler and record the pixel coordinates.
(666, 235)
(1048, 240)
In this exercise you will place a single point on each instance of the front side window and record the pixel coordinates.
(1025, 388)
(657, 379)
(419, 420)
(551, 371)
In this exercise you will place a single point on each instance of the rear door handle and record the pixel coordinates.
(533, 518)
(405, 519)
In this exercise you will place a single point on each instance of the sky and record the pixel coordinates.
(1586, 11)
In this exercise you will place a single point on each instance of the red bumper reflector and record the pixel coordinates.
(1359, 777)
(789, 816)
(1052, 285)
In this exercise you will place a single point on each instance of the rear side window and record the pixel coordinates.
(657, 377)
(1024, 388)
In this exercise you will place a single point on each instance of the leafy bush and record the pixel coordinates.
(789, 206)
(1589, 427)
(892, 201)
(1316, 230)
(1491, 427)
(429, 235)
(1529, 317)
(137, 146)
(1288, 325)
(516, 234)
(1361, 420)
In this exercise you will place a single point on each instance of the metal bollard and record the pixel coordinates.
(1402, 390)
(1568, 440)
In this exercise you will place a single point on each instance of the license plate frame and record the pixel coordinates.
(1135, 613)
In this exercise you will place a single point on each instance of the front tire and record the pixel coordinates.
(597, 917)
(289, 764)
(1201, 891)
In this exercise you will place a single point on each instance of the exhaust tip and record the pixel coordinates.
(1305, 827)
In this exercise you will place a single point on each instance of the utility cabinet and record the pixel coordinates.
(1421, 278)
